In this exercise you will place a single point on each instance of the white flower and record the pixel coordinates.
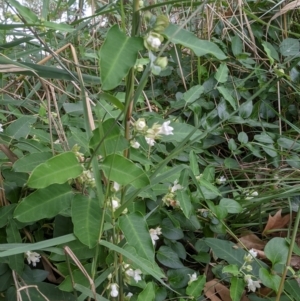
(154, 42)
(116, 187)
(251, 195)
(252, 285)
(193, 278)
(165, 129)
(114, 290)
(134, 144)
(176, 186)
(140, 124)
(253, 253)
(32, 257)
(1, 127)
(115, 204)
(150, 141)
(221, 180)
(135, 274)
(154, 234)
(129, 295)
(249, 257)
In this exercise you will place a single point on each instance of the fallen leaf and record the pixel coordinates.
(295, 262)
(210, 290)
(252, 241)
(214, 287)
(276, 222)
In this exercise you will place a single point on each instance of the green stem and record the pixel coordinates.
(288, 260)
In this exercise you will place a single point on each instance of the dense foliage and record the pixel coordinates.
(149, 150)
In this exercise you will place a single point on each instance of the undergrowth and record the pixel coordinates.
(149, 150)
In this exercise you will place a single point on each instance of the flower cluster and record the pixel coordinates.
(32, 257)
(252, 284)
(151, 134)
(170, 198)
(135, 274)
(154, 234)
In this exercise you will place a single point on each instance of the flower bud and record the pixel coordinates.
(152, 41)
(139, 67)
(147, 16)
(162, 62)
(162, 22)
(140, 125)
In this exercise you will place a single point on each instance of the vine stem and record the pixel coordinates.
(129, 102)
(288, 260)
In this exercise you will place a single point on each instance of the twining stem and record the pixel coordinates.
(288, 260)
(129, 102)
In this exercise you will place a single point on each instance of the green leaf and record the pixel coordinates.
(87, 292)
(222, 73)
(194, 163)
(5, 213)
(263, 138)
(166, 256)
(12, 249)
(277, 250)
(185, 202)
(186, 38)
(137, 235)
(236, 288)
(236, 45)
(210, 187)
(144, 265)
(232, 269)
(41, 292)
(193, 94)
(170, 231)
(16, 262)
(30, 161)
(24, 11)
(78, 277)
(181, 130)
(270, 150)
(58, 26)
(289, 144)
(58, 169)
(246, 109)
(195, 288)
(227, 95)
(243, 137)
(110, 137)
(271, 52)
(292, 287)
(44, 203)
(20, 127)
(46, 71)
(148, 294)
(289, 47)
(231, 205)
(117, 55)
(232, 145)
(112, 99)
(86, 217)
(179, 278)
(123, 171)
(269, 280)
